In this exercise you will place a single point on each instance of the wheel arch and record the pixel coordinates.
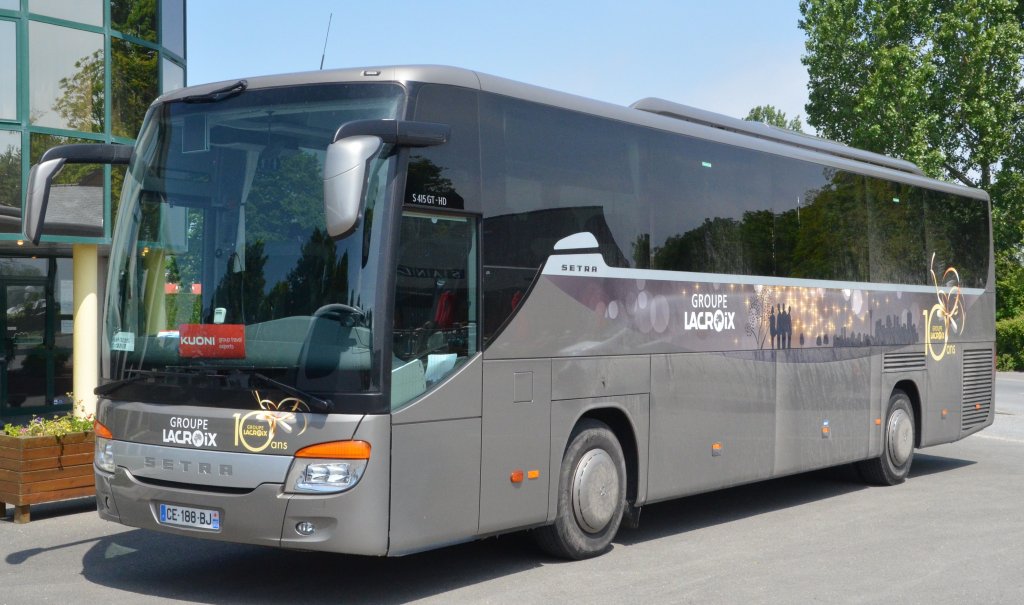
(910, 388)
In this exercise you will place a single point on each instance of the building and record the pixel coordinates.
(71, 71)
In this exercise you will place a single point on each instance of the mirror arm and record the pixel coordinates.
(403, 133)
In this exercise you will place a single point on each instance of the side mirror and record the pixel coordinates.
(40, 178)
(348, 161)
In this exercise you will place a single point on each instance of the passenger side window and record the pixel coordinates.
(436, 301)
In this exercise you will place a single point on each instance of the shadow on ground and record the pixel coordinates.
(160, 565)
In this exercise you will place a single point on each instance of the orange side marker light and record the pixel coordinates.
(878, 422)
(516, 476)
(532, 474)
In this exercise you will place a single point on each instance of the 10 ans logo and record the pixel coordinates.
(257, 431)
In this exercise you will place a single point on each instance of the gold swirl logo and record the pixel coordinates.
(256, 430)
(946, 315)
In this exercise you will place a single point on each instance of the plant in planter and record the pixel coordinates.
(45, 460)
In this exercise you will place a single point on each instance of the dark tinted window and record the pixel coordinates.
(665, 201)
(956, 232)
(549, 173)
(446, 176)
(712, 207)
(896, 233)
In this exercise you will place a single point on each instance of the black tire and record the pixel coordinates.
(893, 466)
(591, 495)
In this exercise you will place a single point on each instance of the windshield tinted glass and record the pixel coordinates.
(224, 279)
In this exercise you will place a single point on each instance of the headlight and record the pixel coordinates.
(327, 477)
(330, 467)
(104, 456)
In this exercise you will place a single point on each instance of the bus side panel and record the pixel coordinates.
(703, 400)
(435, 484)
(516, 437)
(435, 471)
(823, 409)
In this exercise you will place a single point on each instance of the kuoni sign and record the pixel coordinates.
(224, 341)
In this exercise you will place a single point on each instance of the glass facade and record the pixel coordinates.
(71, 71)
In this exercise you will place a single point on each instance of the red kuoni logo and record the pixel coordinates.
(224, 341)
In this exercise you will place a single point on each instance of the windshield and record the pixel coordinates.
(224, 280)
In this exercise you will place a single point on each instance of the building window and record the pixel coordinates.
(172, 26)
(66, 89)
(134, 84)
(8, 70)
(134, 18)
(10, 181)
(89, 12)
(10, 4)
(174, 76)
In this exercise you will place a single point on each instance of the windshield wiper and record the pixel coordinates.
(321, 405)
(110, 387)
(218, 95)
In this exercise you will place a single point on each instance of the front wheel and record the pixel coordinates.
(591, 494)
(893, 466)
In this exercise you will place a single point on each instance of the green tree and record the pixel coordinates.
(936, 82)
(771, 115)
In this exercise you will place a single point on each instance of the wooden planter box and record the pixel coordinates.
(44, 469)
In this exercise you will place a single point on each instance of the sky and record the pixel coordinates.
(721, 55)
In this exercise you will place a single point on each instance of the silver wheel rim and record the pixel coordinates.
(595, 490)
(900, 437)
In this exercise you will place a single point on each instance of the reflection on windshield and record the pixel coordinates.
(221, 253)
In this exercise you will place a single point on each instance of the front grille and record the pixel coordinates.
(903, 362)
(977, 381)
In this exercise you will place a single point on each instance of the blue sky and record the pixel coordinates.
(721, 55)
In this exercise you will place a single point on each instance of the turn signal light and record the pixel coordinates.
(101, 431)
(342, 450)
(516, 476)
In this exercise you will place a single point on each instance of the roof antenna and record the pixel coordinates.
(325, 40)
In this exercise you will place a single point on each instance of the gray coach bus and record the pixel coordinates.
(378, 311)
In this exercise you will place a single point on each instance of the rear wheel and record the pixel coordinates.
(893, 466)
(591, 494)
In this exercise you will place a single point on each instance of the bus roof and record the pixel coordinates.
(650, 112)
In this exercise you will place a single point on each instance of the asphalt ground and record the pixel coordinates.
(953, 533)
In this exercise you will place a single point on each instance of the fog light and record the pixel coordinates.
(305, 528)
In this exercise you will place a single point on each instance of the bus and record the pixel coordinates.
(378, 311)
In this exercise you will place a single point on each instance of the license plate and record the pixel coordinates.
(186, 516)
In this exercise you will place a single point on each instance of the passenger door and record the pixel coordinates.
(435, 382)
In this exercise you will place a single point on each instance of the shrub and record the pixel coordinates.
(57, 426)
(1010, 344)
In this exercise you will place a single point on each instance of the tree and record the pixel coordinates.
(768, 114)
(935, 82)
